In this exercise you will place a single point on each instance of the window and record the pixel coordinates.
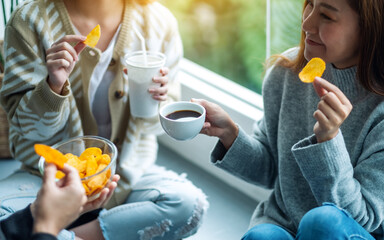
(233, 37)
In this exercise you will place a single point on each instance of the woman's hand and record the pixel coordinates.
(104, 197)
(218, 123)
(58, 203)
(61, 59)
(160, 93)
(332, 110)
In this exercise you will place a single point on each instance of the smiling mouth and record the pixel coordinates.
(313, 43)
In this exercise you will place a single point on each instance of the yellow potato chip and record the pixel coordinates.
(98, 180)
(92, 151)
(91, 166)
(87, 191)
(51, 155)
(314, 68)
(75, 162)
(104, 159)
(59, 174)
(93, 37)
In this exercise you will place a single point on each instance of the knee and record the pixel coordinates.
(252, 234)
(256, 233)
(327, 218)
(267, 231)
(190, 212)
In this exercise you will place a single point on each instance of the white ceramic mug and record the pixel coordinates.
(182, 120)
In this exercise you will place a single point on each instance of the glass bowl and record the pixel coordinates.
(77, 146)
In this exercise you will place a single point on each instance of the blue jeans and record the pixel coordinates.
(162, 205)
(321, 223)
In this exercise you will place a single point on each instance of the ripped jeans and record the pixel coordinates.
(162, 205)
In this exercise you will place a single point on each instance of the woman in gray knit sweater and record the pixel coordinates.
(319, 146)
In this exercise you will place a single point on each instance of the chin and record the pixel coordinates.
(308, 55)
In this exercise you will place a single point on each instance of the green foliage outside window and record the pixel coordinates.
(229, 36)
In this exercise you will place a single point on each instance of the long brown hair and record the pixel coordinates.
(145, 2)
(370, 68)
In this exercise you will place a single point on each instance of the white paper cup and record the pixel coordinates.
(186, 127)
(140, 80)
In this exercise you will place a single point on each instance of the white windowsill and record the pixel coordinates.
(244, 107)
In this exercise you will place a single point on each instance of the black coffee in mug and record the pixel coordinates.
(183, 115)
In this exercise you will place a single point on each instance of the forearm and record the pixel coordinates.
(229, 135)
(248, 158)
(326, 167)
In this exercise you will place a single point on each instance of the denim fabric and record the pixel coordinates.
(267, 232)
(330, 222)
(162, 205)
(321, 223)
(19, 190)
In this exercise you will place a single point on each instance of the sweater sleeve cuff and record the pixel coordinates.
(55, 101)
(315, 159)
(219, 153)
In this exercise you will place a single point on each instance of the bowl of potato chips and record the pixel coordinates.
(94, 158)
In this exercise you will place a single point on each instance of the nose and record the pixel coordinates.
(309, 22)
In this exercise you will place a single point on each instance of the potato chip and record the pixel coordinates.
(75, 162)
(91, 166)
(92, 151)
(99, 179)
(59, 174)
(87, 191)
(93, 37)
(51, 155)
(314, 68)
(104, 159)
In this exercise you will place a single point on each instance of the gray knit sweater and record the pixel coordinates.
(283, 155)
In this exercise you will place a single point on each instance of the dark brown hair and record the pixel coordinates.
(370, 68)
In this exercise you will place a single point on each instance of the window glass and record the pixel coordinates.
(229, 36)
(285, 24)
